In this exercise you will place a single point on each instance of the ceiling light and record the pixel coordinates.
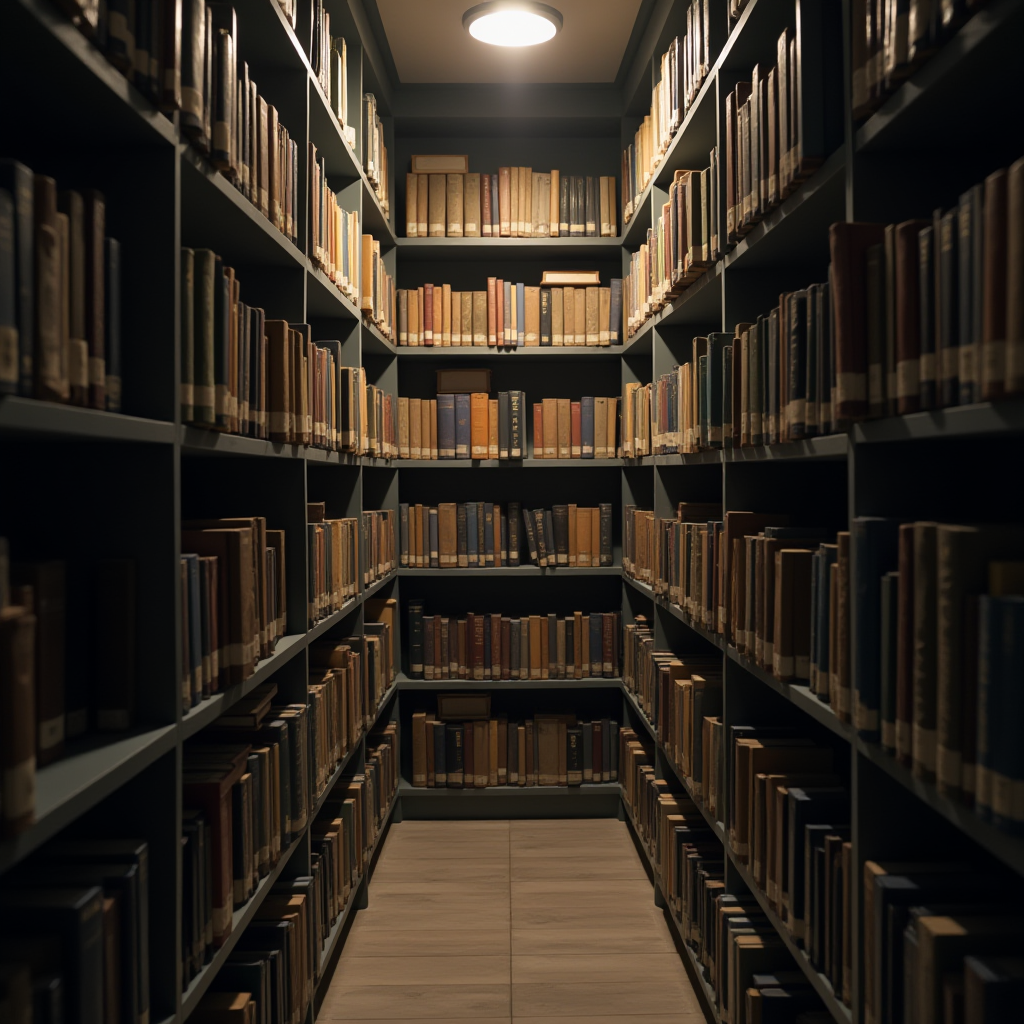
(512, 22)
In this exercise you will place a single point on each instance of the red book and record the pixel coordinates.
(428, 314)
(576, 431)
(538, 430)
(492, 312)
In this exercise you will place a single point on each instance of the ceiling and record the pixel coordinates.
(429, 44)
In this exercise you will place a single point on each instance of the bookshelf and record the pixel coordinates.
(111, 461)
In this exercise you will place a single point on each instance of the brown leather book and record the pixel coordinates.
(504, 202)
(481, 754)
(564, 414)
(576, 430)
(612, 414)
(478, 416)
(557, 316)
(536, 627)
(437, 201)
(455, 205)
(492, 311)
(485, 206)
(579, 316)
(422, 204)
(604, 316)
(279, 370)
(419, 748)
(411, 193)
(416, 428)
(492, 752)
(593, 312)
(908, 317)
(848, 243)
(525, 202)
(471, 206)
(514, 202)
(532, 315)
(547, 744)
(446, 314)
(467, 318)
(601, 427)
(492, 429)
(553, 197)
(550, 408)
(432, 419)
(584, 533)
(538, 431)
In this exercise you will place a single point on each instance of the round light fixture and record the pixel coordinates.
(512, 22)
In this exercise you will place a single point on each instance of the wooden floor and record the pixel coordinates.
(499, 921)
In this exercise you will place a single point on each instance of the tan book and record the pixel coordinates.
(593, 313)
(557, 319)
(600, 428)
(455, 205)
(554, 191)
(447, 535)
(446, 314)
(433, 428)
(422, 204)
(573, 538)
(419, 748)
(610, 429)
(425, 429)
(513, 205)
(532, 313)
(437, 314)
(415, 428)
(403, 428)
(583, 533)
(595, 539)
(437, 201)
(605, 226)
(492, 428)
(580, 316)
(525, 202)
(536, 188)
(492, 746)
(613, 209)
(564, 428)
(471, 207)
(467, 318)
(549, 413)
(440, 163)
(604, 310)
(456, 315)
(411, 193)
(575, 278)
(547, 749)
(504, 202)
(480, 318)
(534, 622)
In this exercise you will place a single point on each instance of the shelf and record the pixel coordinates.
(27, 416)
(325, 299)
(374, 221)
(841, 1013)
(92, 769)
(522, 352)
(517, 570)
(707, 457)
(201, 441)
(209, 710)
(695, 969)
(589, 683)
(511, 463)
(239, 921)
(326, 134)
(1005, 848)
(829, 447)
(332, 620)
(676, 612)
(782, 237)
(698, 305)
(374, 343)
(215, 215)
(798, 695)
(916, 116)
(417, 249)
(506, 793)
(1004, 417)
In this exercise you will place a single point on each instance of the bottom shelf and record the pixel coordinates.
(591, 800)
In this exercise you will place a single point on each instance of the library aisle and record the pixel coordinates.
(538, 921)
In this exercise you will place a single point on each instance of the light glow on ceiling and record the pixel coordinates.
(512, 22)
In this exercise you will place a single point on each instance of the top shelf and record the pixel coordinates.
(422, 249)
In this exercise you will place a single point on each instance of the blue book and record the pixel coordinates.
(717, 342)
(596, 660)
(461, 427)
(1000, 707)
(446, 426)
(874, 543)
(520, 339)
(488, 551)
(615, 312)
(508, 312)
(587, 426)
(472, 545)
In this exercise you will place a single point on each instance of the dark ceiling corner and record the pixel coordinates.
(643, 16)
(377, 27)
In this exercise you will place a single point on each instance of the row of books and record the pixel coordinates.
(234, 599)
(242, 373)
(226, 118)
(495, 646)
(475, 426)
(335, 241)
(682, 243)
(378, 300)
(60, 293)
(511, 315)
(481, 534)
(345, 556)
(74, 938)
(890, 43)
(517, 202)
(929, 313)
(48, 696)
(683, 69)
(546, 750)
(742, 957)
(328, 57)
(782, 124)
(375, 154)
